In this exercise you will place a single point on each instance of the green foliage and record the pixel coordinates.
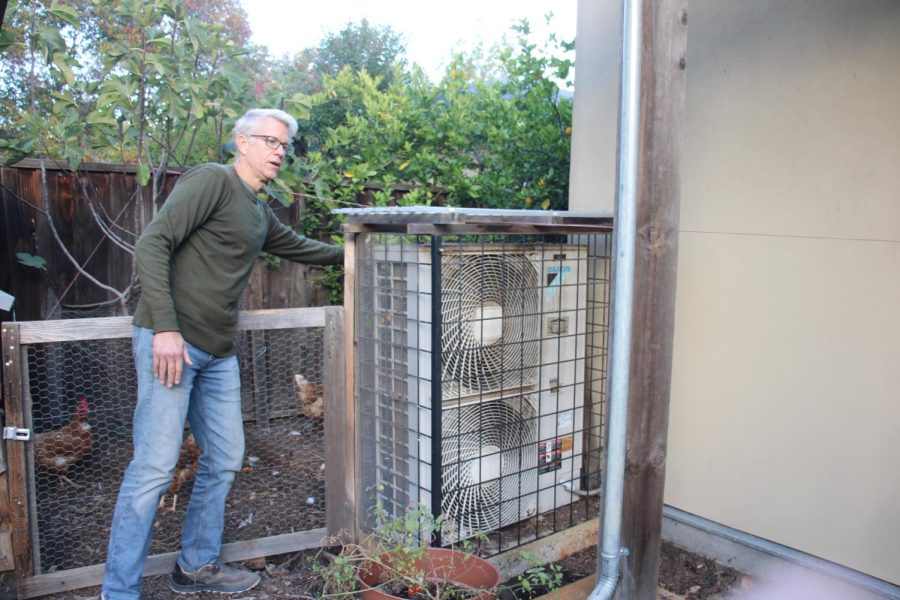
(126, 81)
(179, 77)
(502, 142)
(399, 546)
(540, 578)
(143, 81)
(332, 279)
(375, 50)
(133, 81)
(159, 83)
(29, 260)
(526, 137)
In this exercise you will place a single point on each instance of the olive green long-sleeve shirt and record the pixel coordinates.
(195, 257)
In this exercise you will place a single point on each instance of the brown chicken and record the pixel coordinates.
(56, 451)
(311, 397)
(185, 469)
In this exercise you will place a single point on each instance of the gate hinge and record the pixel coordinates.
(19, 434)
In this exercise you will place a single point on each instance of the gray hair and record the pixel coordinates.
(246, 125)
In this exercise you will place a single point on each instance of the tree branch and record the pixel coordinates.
(65, 249)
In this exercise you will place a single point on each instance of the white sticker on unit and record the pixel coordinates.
(565, 419)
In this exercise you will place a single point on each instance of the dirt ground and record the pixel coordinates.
(682, 573)
(290, 576)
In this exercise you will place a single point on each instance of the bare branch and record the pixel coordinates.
(68, 254)
(102, 224)
(22, 200)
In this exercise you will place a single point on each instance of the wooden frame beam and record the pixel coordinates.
(658, 204)
(160, 564)
(14, 505)
(342, 472)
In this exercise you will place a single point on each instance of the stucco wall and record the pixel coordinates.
(785, 408)
(592, 174)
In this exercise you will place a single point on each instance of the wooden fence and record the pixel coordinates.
(80, 205)
(21, 534)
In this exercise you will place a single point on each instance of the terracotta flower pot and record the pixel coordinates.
(437, 565)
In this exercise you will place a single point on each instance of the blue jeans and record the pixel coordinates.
(209, 396)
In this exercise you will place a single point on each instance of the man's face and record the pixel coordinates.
(262, 161)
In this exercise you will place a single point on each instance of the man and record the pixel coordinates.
(194, 260)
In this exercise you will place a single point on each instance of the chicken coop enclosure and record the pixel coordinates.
(479, 368)
(69, 400)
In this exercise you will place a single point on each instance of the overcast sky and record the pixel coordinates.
(431, 30)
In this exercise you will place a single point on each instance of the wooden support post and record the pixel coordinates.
(342, 487)
(659, 196)
(15, 506)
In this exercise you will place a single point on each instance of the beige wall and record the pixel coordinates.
(785, 408)
(592, 176)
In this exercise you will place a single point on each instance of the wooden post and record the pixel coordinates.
(15, 506)
(7, 549)
(342, 488)
(659, 188)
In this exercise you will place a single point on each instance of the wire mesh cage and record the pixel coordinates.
(82, 395)
(480, 374)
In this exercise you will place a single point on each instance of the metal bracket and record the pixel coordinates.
(19, 434)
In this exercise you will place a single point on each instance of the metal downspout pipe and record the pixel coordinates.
(611, 553)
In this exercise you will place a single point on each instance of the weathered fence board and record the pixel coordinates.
(160, 564)
(104, 328)
(75, 203)
(340, 460)
(16, 505)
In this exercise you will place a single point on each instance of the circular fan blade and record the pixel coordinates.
(489, 465)
(490, 307)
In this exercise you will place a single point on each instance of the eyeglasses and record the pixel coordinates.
(272, 142)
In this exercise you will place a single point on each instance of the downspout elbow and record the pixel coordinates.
(606, 586)
(608, 576)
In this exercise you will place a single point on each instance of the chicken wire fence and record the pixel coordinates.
(79, 402)
(506, 334)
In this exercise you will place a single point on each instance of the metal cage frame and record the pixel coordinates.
(436, 230)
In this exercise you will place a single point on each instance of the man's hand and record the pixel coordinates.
(169, 355)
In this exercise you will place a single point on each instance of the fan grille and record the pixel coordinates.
(490, 306)
(489, 464)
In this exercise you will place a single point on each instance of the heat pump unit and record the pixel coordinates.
(512, 322)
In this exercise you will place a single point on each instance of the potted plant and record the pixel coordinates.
(428, 573)
(395, 561)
